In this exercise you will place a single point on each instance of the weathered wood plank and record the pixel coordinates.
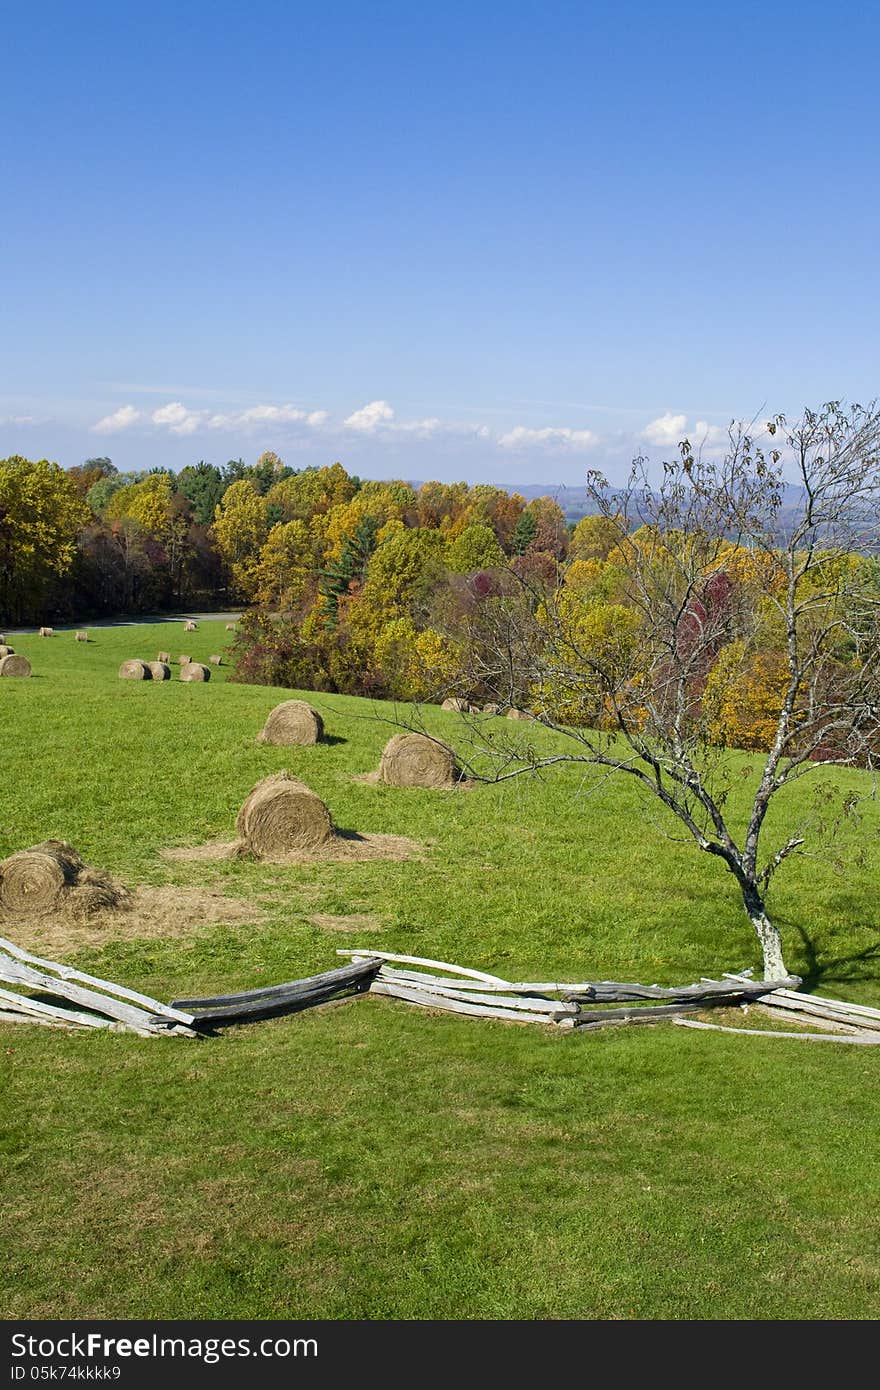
(422, 960)
(70, 1018)
(822, 1007)
(17, 972)
(648, 1013)
(864, 1039)
(66, 972)
(525, 1004)
(457, 1006)
(356, 973)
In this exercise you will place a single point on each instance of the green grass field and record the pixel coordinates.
(369, 1160)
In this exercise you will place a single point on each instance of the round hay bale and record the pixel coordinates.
(5, 649)
(414, 760)
(12, 665)
(293, 721)
(491, 708)
(518, 714)
(159, 670)
(230, 627)
(455, 705)
(195, 671)
(134, 671)
(282, 814)
(190, 626)
(215, 660)
(184, 660)
(33, 881)
(164, 656)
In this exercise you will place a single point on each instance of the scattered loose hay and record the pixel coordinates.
(195, 671)
(283, 814)
(159, 670)
(52, 878)
(12, 665)
(414, 760)
(292, 722)
(134, 671)
(343, 847)
(355, 922)
(151, 913)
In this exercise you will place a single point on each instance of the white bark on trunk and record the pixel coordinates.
(771, 946)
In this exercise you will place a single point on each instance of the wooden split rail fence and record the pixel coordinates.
(43, 992)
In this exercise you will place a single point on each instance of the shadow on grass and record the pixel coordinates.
(818, 969)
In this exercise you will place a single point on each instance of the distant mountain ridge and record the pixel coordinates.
(576, 502)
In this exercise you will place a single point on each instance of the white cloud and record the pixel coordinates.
(560, 437)
(666, 430)
(121, 419)
(257, 415)
(178, 418)
(705, 434)
(19, 420)
(370, 417)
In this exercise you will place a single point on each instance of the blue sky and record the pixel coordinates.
(492, 241)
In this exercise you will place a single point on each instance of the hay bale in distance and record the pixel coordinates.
(281, 815)
(184, 660)
(47, 632)
(230, 627)
(195, 671)
(293, 721)
(165, 657)
(159, 670)
(456, 706)
(12, 665)
(51, 877)
(5, 649)
(414, 760)
(518, 714)
(216, 660)
(81, 637)
(134, 670)
(491, 708)
(190, 626)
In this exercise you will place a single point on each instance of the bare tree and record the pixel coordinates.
(714, 561)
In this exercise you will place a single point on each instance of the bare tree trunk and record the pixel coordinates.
(767, 933)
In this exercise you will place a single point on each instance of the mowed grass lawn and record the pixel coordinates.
(370, 1160)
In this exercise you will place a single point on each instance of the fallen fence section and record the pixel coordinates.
(441, 985)
(42, 990)
(106, 1005)
(223, 1009)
